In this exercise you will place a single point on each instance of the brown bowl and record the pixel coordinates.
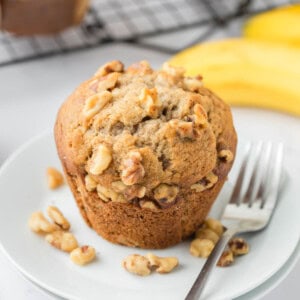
(35, 17)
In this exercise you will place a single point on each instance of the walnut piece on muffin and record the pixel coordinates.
(145, 152)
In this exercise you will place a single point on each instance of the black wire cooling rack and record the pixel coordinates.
(137, 22)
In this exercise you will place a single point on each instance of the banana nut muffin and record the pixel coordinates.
(145, 152)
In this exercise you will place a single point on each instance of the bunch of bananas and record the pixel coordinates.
(261, 69)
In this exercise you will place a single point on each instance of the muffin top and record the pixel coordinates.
(139, 133)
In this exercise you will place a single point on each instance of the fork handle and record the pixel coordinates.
(199, 284)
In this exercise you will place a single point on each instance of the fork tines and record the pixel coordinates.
(258, 180)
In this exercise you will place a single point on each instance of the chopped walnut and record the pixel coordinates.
(166, 194)
(164, 79)
(162, 264)
(183, 129)
(206, 233)
(119, 186)
(58, 218)
(39, 224)
(54, 177)
(132, 168)
(170, 76)
(108, 194)
(205, 183)
(201, 247)
(137, 264)
(238, 246)
(83, 255)
(100, 160)
(135, 191)
(93, 85)
(62, 240)
(226, 259)
(192, 84)
(90, 183)
(142, 67)
(108, 82)
(198, 187)
(200, 115)
(176, 72)
(214, 225)
(227, 155)
(112, 66)
(150, 102)
(148, 204)
(129, 192)
(141, 191)
(95, 103)
(212, 178)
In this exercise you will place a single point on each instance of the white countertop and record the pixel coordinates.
(30, 94)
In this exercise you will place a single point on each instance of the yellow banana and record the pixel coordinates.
(247, 72)
(280, 25)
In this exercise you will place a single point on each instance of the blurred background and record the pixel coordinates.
(34, 29)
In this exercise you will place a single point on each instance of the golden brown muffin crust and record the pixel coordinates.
(144, 143)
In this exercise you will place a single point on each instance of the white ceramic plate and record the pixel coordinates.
(259, 291)
(277, 278)
(23, 190)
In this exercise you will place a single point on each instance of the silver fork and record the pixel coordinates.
(251, 205)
